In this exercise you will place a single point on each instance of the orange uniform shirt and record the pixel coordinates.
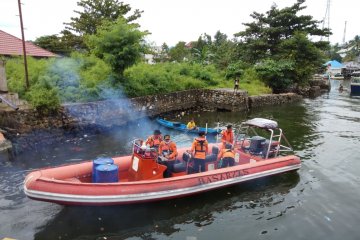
(199, 148)
(169, 148)
(227, 136)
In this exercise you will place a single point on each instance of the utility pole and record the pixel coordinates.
(344, 34)
(24, 47)
(327, 18)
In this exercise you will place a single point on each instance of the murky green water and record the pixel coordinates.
(320, 201)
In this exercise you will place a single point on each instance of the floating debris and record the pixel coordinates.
(191, 238)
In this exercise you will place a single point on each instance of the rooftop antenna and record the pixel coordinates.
(326, 20)
(24, 47)
(344, 33)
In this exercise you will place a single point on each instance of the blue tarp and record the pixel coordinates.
(334, 64)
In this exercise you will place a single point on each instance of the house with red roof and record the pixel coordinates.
(12, 46)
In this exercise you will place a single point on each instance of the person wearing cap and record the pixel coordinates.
(227, 156)
(227, 136)
(168, 153)
(154, 140)
(199, 149)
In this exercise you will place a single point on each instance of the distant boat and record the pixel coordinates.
(355, 83)
(337, 76)
(182, 127)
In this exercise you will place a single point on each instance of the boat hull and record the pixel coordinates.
(355, 89)
(44, 185)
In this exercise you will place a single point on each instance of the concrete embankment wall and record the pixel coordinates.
(118, 112)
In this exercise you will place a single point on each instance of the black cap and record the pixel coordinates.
(229, 126)
(157, 132)
(201, 133)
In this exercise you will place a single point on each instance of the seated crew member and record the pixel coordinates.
(227, 156)
(191, 125)
(227, 136)
(168, 154)
(199, 150)
(154, 140)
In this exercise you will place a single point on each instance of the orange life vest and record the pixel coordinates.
(168, 149)
(227, 153)
(154, 141)
(200, 146)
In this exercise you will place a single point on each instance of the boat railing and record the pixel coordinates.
(273, 147)
(139, 147)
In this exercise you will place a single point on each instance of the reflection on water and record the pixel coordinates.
(317, 202)
(165, 218)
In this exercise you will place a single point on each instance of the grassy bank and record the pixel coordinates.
(86, 78)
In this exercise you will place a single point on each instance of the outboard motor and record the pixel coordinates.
(213, 156)
(215, 150)
(186, 156)
(257, 145)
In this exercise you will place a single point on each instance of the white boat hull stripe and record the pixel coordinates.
(72, 198)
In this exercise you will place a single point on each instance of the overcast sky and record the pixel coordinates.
(172, 21)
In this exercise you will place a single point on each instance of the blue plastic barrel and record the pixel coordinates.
(107, 173)
(100, 161)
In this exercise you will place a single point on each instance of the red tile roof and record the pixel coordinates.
(11, 45)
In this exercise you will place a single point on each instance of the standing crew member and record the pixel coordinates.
(168, 153)
(154, 140)
(227, 156)
(227, 136)
(199, 149)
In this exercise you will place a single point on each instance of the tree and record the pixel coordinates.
(51, 43)
(62, 45)
(179, 52)
(96, 11)
(304, 56)
(333, 54)
(223, 50)
(276, 74)
(355, 50)
(201, 50)
(281, 35)
(163, 54)
(263, 37)
(118, 43)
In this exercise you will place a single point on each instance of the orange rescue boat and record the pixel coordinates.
(140, 176)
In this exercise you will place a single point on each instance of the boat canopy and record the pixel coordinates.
(262, 123)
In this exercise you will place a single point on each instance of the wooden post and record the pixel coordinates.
(24, 47)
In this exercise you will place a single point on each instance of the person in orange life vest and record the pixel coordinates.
(199, 149)
(227, 136)
(227, 156)
(168, 153)
(154, 140)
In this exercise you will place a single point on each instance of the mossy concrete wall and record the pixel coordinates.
(120, 111)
